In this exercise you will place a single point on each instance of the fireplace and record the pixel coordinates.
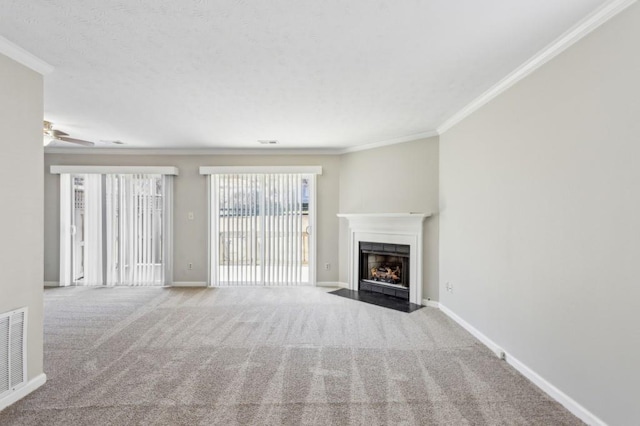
(403, 229)
(384, 268)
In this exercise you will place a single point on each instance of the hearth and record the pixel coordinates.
(384, 268)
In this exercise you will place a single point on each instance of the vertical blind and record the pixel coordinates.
(134, 229)
(66, 234)
(91, 228)
(260, 229)
(115, 229)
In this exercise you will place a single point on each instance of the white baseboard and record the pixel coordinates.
(331, 284)
(51, 284)
(431, 303)
(188, 284)
(567, 402)
(25, 390)
(204, 284)
(474, 331)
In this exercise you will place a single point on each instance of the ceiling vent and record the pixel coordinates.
(268, 142)
(13, 362)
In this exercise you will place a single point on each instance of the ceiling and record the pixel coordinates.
(310, 74)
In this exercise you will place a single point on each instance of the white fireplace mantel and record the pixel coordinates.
(391, 228)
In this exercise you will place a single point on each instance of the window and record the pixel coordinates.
(261, 227)
(115, 228)
(134, 229)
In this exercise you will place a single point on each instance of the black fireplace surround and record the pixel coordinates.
(384, 268)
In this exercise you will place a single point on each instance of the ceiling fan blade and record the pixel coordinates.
(76, 141)
(58, 133)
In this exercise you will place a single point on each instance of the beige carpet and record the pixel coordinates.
(277, 356)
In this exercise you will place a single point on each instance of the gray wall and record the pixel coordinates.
(190, 236)
(21, 226)
(540, 220)
(399, 178)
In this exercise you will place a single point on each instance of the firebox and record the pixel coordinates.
(384, 268)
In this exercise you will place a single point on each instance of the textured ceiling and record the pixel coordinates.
(311, 74)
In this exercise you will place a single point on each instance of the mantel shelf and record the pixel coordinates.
(383, 215)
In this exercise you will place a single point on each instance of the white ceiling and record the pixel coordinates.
(311, 74)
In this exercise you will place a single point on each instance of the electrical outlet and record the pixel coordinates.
(449, 288)
(190, 266)
(327, 266)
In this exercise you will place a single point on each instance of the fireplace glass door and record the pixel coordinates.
(384, 268)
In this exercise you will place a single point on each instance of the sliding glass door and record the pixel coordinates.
(261, 229)
(134, 229)
(115, 229)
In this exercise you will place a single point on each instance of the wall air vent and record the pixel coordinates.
(13, 361)
(267, 142)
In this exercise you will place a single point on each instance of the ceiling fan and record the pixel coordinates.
(51, 134)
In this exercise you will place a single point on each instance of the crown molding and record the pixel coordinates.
(238, 151)
(394, 141)
(23, 57)
(193, 151)
(570, 37)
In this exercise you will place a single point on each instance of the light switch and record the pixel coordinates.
(190, 216)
